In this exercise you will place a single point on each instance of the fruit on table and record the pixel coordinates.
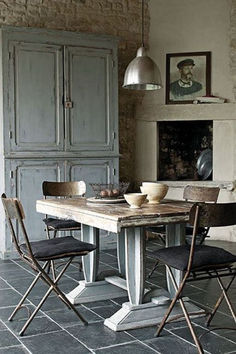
(109, 192)
(115, 192)
(103, 193)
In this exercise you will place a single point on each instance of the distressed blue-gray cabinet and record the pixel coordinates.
(58, 115)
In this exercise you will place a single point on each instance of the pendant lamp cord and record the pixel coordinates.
(142, 23)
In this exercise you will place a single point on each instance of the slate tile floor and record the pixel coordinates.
(57, 330)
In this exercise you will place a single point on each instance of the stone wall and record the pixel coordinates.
(121, 18)
(233, 44)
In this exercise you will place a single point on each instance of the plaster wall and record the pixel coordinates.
(192, 26)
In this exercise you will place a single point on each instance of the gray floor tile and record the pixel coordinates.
(96, 335)
(39, 325)
(3, 284)
(143, 334)
(2, 326)
(9, 297)
(210, 341)
(7, 339)
(14, 274)
(101, 303)
(66, 317)
(169, 344)
(57, 342)
(107, 311)
(135, 347)
(21, 314)
(14, 350)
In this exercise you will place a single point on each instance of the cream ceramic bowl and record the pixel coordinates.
(135, 200)
(155, 191)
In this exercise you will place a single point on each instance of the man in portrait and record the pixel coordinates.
(185, 87)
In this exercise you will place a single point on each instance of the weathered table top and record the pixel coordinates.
(114, 217)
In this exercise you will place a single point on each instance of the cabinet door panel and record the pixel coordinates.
(89, 87)
(90, 171)
(26, 184)
(36, 77)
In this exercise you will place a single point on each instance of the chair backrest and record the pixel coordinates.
(14, 211)
(64, 189)
(213, 215)
(201, 194)
(209, 215)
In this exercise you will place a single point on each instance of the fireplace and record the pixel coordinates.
(151, 115)
(180, 144)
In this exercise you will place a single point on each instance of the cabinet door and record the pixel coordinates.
(89, 79)
(90, 171)
(35, 98)
(26, 184)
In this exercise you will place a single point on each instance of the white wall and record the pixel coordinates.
(178, 26)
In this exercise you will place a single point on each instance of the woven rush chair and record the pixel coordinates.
(200, 262)
(191, 194)
(62, 190)
(36, 252)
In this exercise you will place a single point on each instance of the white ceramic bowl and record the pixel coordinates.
(135, 200)
(155, 191)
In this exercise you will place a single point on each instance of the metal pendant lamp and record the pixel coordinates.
(142, 72)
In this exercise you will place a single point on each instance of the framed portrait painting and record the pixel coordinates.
(188, 75)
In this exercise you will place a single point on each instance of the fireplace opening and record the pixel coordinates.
(180, 145)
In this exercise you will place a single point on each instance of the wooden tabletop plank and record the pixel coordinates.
(113, 217)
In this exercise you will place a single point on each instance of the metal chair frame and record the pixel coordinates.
(62, 190)
(14, 211)
(194, 194)
(203, 214)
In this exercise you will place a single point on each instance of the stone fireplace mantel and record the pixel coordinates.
(153, 112)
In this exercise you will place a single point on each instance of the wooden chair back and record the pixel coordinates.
(201, 194)
(213, 215)
(64, 189)
(14, 211)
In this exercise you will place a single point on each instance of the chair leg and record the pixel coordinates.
(212, 314)
(153, 269)
(186, 315)
(195, 338)
(27, 293)
(173, 302)
(60, 293)
(53, 286)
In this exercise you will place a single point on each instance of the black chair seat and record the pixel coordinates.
(58, 224)
(204, 257)
(59, 247)
(189, 230)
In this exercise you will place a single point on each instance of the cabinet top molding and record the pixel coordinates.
(56, 34)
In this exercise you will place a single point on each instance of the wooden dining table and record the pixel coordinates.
(146, 305)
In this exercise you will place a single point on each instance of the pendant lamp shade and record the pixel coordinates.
(142, 73)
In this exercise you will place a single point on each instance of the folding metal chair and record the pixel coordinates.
(33, 253)
(200, 262)
(191, 194)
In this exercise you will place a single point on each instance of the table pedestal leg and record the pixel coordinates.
(121, 252)
(90, 290)
(136, 314)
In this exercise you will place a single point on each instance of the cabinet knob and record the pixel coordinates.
(68, 104)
